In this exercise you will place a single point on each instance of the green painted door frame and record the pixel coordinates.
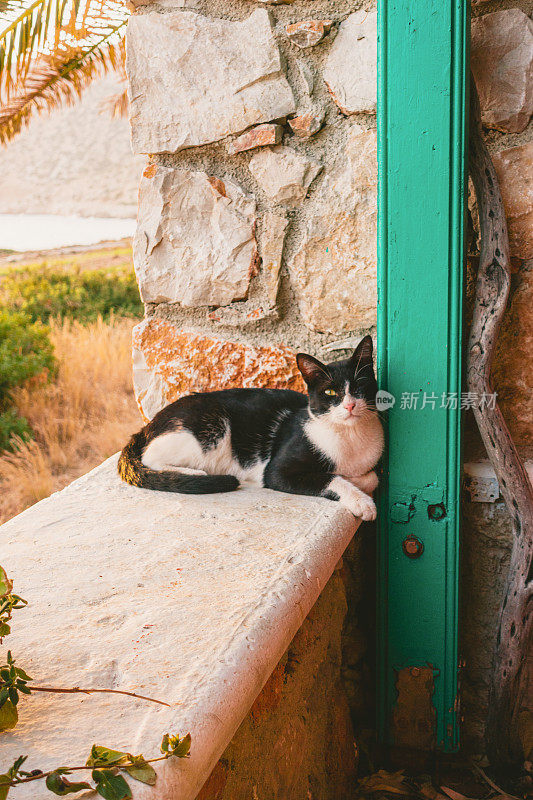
(422, 87)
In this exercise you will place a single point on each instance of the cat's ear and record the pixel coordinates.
(362, 354)
(311, 368)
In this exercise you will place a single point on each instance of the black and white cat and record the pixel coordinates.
(326, 444)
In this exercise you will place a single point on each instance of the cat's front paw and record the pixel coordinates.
(362, 506)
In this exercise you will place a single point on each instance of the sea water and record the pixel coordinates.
(48, 231)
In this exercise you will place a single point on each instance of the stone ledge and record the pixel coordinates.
(192, 600)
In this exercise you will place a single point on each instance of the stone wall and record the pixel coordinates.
(257, 212)
(257, 229)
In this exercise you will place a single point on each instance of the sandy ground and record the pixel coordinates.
(76, 160)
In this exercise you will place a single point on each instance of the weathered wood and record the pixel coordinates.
(508, 694)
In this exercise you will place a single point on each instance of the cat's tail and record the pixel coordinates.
(133, 471)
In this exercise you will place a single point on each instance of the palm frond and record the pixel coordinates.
(58, 79)
(48, 28)
(8, 6)
(118, 105)
(24, 34)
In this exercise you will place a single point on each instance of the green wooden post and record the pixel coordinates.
(422, 86)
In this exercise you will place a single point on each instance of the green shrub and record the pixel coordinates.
(12, 425)
(44, 291)
(25, 351)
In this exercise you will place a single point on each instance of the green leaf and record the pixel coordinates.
(61, 786)
(13, 773)
(111, 787)
(18, 602)
(15, 770)
(141, 770)
(24, 675)
(4, 789)
(105, 757)
(5, 630)
(5, 584)
(8, 717)
(174, 746)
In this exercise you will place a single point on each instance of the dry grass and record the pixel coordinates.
(82, 417)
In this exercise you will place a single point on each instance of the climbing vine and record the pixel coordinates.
(109, 769)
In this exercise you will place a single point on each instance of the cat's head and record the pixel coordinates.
(343, 392)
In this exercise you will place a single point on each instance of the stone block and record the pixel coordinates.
(283, 174)
(515, 174)
(195, 242)
(309, 32)
(502, 64)
(271, 249)
(333, 268)
(351, 68)
(169, 362)
(193, 600)
(195, 80)
(307, 77)
(261, 135)
(308, 123)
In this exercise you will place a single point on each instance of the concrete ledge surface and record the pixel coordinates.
(191, 600)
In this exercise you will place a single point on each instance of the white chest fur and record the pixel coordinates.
(354, 448)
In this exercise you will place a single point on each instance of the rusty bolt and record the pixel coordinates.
(412, 547)
(436, 512)
(415, 672)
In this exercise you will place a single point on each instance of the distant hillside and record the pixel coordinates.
(77, 160)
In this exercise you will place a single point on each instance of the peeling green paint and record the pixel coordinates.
(402, 512)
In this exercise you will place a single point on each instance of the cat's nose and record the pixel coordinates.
(349, 405)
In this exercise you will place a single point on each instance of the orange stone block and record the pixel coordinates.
(259, 136)
(306, 125)
(169, 362)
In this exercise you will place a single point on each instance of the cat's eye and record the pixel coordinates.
(330, 392)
